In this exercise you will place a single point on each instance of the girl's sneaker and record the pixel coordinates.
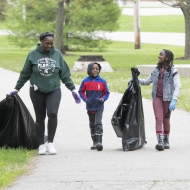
(51, 148)
(42, 149)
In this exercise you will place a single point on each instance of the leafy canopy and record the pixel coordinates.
(87, 16)
(27, 19)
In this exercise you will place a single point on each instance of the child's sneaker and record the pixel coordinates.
(51, 148)
(42, 149)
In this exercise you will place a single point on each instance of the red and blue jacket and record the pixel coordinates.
(91, 90)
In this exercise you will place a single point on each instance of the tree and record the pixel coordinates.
(184, 5)
(81, 18)
(39, 18)
(59, 43)
(3, 4)
(87, 16)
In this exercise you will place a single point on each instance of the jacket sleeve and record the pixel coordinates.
(177, 85)
(82, 91)
(24, 74)
(65, 74)
(106, 92)
(146, 81)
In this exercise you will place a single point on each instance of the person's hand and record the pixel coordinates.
(13, 92)
(172, 105)
(76, 96)
(101, 100)
(135, 70)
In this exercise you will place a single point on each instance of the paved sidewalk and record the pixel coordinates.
(153, 11)
(177, 39)
(77, 167)
(144, 4)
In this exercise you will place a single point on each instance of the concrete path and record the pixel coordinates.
(144, 4)
(77, 167)
(153, 11)
(177, 39)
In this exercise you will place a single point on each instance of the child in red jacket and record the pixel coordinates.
(94, 92)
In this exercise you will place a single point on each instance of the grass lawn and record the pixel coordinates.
(166, 23)
(121, 56)
(13, 163)
(170, 23)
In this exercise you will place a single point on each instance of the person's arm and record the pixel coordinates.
(177, 86)
(106, 92)
(24, 74)
(82, 91)
(65, 74)
(146, 81)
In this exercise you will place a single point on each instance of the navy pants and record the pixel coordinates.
(95, 122)
(45, 102)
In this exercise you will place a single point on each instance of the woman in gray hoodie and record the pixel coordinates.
(165, 91)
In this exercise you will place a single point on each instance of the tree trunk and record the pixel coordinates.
(59, 27)
(67, 2)
(186, 14)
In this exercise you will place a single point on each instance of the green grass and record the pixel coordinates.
(174, 23)
(13, 163)
(121, 56)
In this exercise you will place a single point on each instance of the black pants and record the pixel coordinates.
(95, 122)
(45, 102)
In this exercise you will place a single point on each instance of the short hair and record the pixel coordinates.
(42, 36)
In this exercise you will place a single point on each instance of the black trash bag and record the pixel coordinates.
(17, 127)
(128, 118)
(118, 118)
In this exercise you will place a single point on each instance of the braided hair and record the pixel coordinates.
(169, 61)
(42, 36)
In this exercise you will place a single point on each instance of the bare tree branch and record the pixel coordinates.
(177, 4)
(174, 5)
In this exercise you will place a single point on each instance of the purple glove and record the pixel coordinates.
(76, 97)
(13, 92)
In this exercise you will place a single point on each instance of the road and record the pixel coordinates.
(77, 167)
